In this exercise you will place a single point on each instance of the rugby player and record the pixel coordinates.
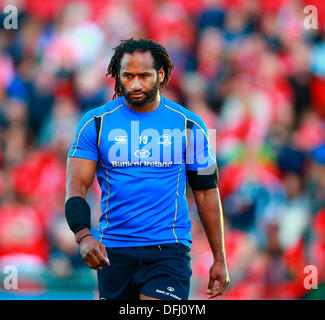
(143, 147)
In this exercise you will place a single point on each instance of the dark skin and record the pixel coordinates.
(138, 77)
(210, 212)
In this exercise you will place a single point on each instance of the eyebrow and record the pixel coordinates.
(141, 73)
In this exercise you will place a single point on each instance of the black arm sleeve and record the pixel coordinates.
(77, 213)
(204, 179)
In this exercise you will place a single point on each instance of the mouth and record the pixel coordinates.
(138, 95)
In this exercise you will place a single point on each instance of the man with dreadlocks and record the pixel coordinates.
(143, 147)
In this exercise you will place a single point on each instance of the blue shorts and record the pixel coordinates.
(158, 271)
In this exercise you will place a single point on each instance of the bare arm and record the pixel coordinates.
(210, 211)
(80, 175)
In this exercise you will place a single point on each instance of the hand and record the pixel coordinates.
(219, 274)
(94, 253)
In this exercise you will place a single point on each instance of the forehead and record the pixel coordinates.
(137, 62)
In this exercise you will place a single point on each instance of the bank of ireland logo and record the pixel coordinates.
(142, 153)
(170, 289)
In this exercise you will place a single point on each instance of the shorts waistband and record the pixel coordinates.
(168, 246)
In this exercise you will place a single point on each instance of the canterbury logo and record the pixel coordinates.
(121, 139)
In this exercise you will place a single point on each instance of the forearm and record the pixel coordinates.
(210, 212)
(78, 214)
(77, 210)
(77, 190)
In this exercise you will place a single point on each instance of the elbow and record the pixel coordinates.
(75, 189)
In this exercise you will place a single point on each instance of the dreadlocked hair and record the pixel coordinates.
(158, 52)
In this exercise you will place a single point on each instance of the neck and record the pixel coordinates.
(148, 107)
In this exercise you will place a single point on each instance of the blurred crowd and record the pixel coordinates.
(249, 69)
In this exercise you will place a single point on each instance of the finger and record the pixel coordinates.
(219, 290)
(92, 260)
(211, 293)
(211, 284)
(104, 253)
(101, 258)
(214, 292)
(222, 288)
(89, 263)
(210, 289)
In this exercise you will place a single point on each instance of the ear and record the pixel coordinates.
(161, 74)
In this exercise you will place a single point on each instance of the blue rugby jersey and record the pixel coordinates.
(142, 160)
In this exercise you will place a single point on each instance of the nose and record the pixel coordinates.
(136, 84)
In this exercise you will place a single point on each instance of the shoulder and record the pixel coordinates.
(108, 107)
(87, 119)
(172, 106)
(186, 113)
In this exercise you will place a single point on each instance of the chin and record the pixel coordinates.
(137, 103)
